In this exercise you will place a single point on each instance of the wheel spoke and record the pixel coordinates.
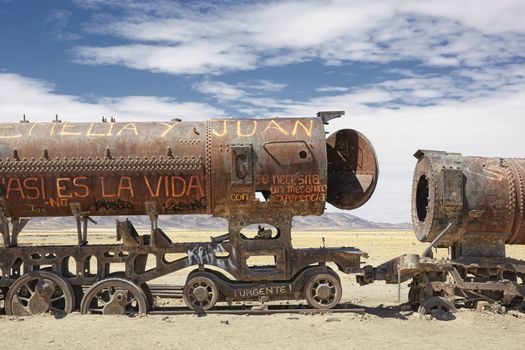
(58, 298)
(132, 299)
(100, 299)
(32, 291)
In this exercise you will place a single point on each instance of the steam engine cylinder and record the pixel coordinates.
(478, 195)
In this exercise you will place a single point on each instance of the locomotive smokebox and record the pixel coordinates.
(352, 169)
(482, 198)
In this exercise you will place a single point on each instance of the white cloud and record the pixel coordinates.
(193, 58)
(328, 88)
(249, 93)
(252, 35)
(35, 98)
(59, 20)
(264, 85)
(220, 90)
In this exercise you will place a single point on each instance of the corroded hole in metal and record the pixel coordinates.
(303, 154)
(422, 198)
(263, 196)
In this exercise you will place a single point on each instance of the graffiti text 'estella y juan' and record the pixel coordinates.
(241, 128)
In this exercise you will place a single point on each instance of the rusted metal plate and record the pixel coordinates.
(288, 166)
(352, 169)
(484, 197)
(105, 168)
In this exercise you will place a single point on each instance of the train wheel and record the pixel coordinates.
(323, 291)
(200, 293)
(39, 292)
(114, 296)
(436, 304)
(149, 296)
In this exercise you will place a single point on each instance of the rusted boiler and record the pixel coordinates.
(483, 198)
(182, 167)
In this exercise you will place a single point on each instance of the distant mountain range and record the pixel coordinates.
(328, 221)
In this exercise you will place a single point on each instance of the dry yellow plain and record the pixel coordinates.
(383, 326)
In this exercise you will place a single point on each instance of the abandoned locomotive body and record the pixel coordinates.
(249, 171)
(473, 206)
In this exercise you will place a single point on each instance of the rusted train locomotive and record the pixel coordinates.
(473, 206)
(260, 171)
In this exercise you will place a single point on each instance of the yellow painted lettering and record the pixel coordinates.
(274, 125)
(224, 130)
(239, 130)
(66, 126)
(308, 131)
(6, 137)
(131, 127)
(169, 127)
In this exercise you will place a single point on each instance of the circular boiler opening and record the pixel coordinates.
(422, 198)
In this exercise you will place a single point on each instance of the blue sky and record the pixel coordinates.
(446, 75)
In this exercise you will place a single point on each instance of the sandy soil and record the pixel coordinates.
(383, 326)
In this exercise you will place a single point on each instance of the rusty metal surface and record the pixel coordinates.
(181, 167)
(105, 168)
(353, 169)
(282, 159)
(483, 197)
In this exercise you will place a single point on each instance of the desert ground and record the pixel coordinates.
(384, 325)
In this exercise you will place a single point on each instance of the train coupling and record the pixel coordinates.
(397, 270)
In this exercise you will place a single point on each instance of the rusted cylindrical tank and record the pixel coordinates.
(212, 167)
(476, 194)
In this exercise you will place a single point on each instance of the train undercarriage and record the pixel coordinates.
(446, 284)
(83, 277)
(114, 278)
